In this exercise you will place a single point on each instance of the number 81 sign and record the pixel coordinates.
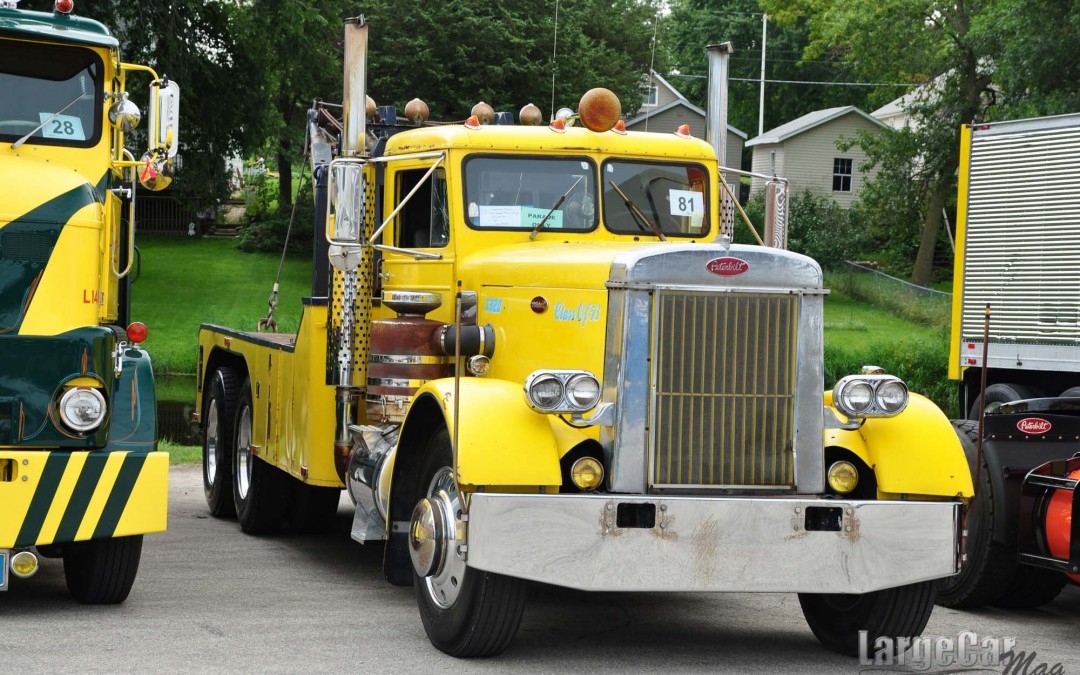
(685, 202)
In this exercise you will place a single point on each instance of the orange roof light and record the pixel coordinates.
(473, 122)
(558, 124)
(683, 131)
(620, 127)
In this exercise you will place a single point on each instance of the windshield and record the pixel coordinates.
(517, 193)
(672, 197)
(38, 81)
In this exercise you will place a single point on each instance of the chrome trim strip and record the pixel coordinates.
(395, 382)
(406, 359)
(717, 544)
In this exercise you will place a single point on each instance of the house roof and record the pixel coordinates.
(806, 123)
(656, 76)
(639, 119)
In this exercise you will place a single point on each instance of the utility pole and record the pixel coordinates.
(761, 101)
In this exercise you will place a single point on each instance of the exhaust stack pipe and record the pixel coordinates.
(716, 124)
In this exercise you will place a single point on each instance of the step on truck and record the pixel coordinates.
(530, 354)
(80, 474)
(1016, 345)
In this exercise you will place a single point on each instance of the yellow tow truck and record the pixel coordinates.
(531, 353)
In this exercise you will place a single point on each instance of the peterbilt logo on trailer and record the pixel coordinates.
(1033, 425)
(727, 267)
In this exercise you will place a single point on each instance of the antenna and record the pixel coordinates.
(554, 48)
(652, 60)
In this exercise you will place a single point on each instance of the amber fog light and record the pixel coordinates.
(24, 564)
(587, 473)
(843, 477)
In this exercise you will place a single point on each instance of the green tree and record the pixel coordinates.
(296, 50)
(695, 24)
(938, 44)
(458, 53)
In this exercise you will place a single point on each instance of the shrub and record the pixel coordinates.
(265, 225)
(922, 364)
(817, 227)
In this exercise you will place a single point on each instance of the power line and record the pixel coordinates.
(838, 84)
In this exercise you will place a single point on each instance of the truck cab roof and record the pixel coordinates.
(54, 27)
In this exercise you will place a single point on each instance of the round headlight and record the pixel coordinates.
(857, 396)
(82, 409)
(583, 391)
(892, 396)
(546, 392)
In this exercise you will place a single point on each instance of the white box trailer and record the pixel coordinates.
(1018, 251)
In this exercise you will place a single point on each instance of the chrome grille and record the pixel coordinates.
(724, 400)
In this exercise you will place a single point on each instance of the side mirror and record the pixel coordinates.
(124, 115)
(164, 117)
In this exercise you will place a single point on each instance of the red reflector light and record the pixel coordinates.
(473, 122)
(64, 6)
(136, 332)
(683, 130)
(558, 125)
(620, 127)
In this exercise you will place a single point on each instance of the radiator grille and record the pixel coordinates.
(725, 389)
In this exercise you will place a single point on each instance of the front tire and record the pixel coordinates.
(259, 490)
(219, 415)
(466, 612)
(982, 577)
(101, 571)
(837, 618)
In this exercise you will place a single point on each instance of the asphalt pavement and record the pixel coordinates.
(209, 599)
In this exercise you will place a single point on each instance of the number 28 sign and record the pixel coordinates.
(66, 127)
(686, 202)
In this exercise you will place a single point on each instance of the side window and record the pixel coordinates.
(424, 222)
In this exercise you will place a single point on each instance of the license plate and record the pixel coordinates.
(3, 570)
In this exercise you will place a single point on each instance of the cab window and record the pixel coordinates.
(424, 221)
(58, 89)
(672, 196)
(517, 193)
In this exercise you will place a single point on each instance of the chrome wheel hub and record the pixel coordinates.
(243, 453)
(437, 539)
(211, 443)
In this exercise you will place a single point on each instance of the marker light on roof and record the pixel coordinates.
(64, 6)
(559, 125)
(620, 127)
(683, 131)
(473, 122)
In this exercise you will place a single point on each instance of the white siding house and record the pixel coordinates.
(805, 152)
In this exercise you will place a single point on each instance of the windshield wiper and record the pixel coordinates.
(51, 117)
(640, 217)
(562, 199)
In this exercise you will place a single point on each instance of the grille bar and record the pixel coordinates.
(724, 389)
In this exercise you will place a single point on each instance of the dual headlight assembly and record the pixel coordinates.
(870, 395)
(562, 391)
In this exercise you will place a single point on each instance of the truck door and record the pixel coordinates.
(421, 224)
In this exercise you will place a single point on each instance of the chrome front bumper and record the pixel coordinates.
(713, 544)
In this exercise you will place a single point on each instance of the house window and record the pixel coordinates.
(841, 174)
(654, 96)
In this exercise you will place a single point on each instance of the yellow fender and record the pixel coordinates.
(915, 453)
(501, 441)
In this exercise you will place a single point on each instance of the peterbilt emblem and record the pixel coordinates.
(727, 267)
(1033, 425)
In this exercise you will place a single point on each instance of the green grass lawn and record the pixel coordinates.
(186, 282)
